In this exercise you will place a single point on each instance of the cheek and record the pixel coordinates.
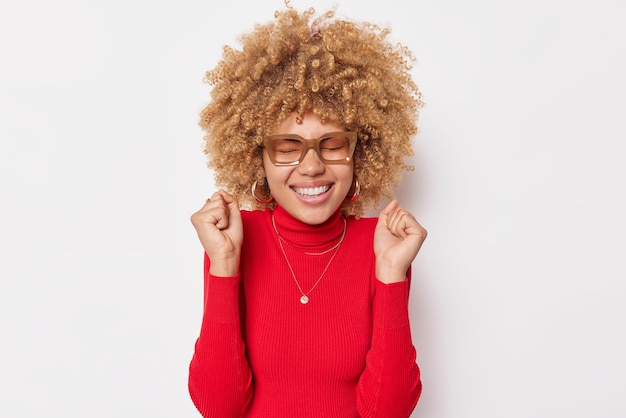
(275, 176)
(345, 174)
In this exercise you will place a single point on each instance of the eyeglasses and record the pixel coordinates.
(290, 149)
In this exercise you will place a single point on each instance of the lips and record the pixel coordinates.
(312, 191)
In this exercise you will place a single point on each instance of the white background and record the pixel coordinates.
(518, 298)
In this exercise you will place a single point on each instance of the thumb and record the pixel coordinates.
(382, 217)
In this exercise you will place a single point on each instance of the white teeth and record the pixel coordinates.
(312, 191)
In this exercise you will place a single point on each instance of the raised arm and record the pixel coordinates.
(220, 381)
(390, 385)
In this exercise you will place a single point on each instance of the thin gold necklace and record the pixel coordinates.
(304, 299)
(306, 252)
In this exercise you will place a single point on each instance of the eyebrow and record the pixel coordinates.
(302, 137)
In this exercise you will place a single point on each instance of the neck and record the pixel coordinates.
(312, 238)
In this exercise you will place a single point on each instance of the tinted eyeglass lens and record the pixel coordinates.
(335, 148)
(286, 150)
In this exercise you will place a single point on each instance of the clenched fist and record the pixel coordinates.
(219, 227)
(398, 238)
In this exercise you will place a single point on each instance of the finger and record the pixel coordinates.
(209, 201)
(230, 206)
(390, 207)
(393, 216)
(413, 227)
(402, 223)
(215, 216)
(215, 212)
(396, 222)
(384, 214)
(414, 230)
(233, 210)
(218, 198)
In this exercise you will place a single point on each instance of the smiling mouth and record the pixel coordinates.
(311, 191)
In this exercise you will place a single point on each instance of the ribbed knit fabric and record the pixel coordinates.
(347, 353)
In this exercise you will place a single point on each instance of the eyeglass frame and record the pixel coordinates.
(312, 143)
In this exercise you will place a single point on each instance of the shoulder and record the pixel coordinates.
(256, 223)
(360, 234)
(254, 216)
(362, 225)
(251, 216)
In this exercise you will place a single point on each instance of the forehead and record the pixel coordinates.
(310, 127)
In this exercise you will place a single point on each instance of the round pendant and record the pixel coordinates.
(304, 299)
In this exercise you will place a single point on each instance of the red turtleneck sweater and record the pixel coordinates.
(262, 353)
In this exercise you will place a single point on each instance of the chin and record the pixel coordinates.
(316, 216)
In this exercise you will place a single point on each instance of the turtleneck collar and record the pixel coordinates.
(308, 237)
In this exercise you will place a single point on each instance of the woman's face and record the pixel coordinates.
(310, 191)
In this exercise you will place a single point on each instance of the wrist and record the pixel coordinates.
(389, 275)
(224, 267)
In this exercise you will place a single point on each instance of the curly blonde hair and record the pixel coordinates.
(345, 72)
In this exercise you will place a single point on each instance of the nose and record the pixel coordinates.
(311, 164)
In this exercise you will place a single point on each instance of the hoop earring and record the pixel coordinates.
(261, 201)
(357, 191)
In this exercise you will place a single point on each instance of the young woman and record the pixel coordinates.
(305, 301)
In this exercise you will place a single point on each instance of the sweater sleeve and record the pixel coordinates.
(220, 380)
(390, 384)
